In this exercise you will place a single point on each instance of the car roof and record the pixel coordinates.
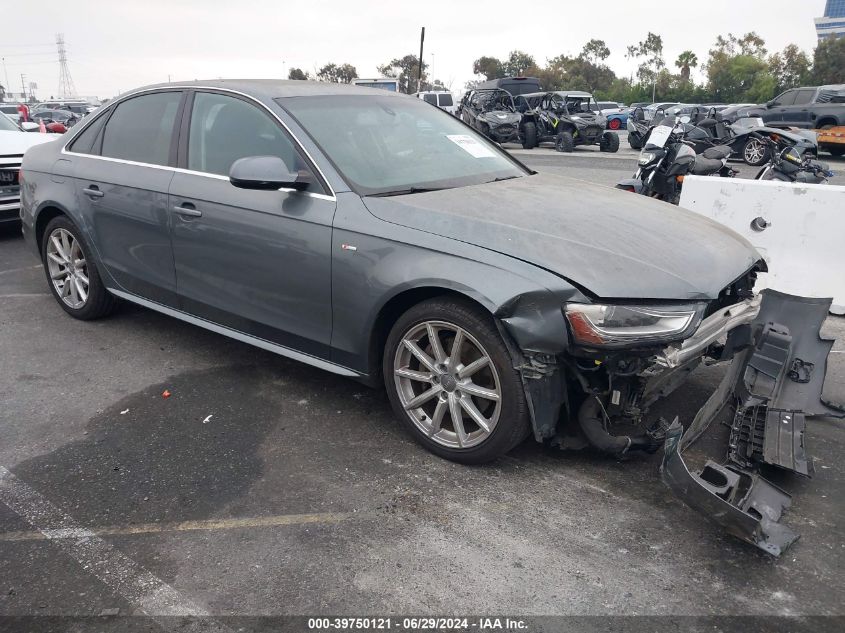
(269, 89)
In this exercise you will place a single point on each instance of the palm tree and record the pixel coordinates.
(685, 62)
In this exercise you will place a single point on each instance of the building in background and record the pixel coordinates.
(833, 22)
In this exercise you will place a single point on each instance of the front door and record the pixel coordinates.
(255, 261)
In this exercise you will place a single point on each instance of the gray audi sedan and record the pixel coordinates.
(371, 235)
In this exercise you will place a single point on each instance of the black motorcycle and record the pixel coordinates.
(668, 157)
(789, 165)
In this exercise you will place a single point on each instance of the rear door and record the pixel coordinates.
(123, 164)
(255, 261)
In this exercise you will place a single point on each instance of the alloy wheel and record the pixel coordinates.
(448, 384)
(755, 150)
(68, 268)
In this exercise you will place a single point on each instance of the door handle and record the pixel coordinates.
(92, 191)
(188, 210)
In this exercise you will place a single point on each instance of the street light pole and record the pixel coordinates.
(419, 70)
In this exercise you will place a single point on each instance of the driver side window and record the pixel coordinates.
(787, 98)
(224, 129)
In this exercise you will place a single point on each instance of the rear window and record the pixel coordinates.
(445, 99)
(85, 142)
(141, 128)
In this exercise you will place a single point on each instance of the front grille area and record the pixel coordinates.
(592, 132)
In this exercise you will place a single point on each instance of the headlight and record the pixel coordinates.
(646, 158)
(575, 118)
(603, 325)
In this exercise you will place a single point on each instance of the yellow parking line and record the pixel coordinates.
(186, 526)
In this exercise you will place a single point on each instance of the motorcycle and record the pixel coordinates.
(668, 157)
(788, 165)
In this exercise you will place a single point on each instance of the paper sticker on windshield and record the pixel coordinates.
(471, 146)
(659, 136)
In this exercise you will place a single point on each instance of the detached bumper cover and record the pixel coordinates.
(774, 383)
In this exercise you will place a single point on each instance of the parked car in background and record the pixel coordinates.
(77, 106)
(654, 108)
(64, 117)
(443, 99)
(371, 235)
(820, 107)
(14, 142)
(615, 113)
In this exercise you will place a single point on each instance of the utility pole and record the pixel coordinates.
(419, 70)
(23, 86)
(7, 85)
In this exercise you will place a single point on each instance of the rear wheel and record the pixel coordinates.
(614, 124)
(609, 142)
(451, 381)
(72, 275)
(529, 136)
(565, 142)
(755, 152)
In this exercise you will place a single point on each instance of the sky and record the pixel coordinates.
(117, 45)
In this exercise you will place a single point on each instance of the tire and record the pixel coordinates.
(506, 418)
(609, 142)
(755, 152)
(97, 302)
(614, 124)
(635, 141)
(529, 136)
(565, 142)
(485, 130)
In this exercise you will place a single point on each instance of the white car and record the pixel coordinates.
(13, 143)
(443, 99)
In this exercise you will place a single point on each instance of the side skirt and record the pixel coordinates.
(239, 336)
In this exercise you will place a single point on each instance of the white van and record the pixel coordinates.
(441, 98)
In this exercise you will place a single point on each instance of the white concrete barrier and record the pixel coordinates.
(798, 229)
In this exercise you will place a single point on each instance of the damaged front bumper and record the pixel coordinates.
(773, 384)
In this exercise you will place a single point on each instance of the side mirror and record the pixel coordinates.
(771, 104)
(29, 126)
(267, 173)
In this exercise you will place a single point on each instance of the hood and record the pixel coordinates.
(613, 243)
(18, 142)
(497, 117)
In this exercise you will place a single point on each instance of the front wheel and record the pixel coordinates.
(565, 142)
(529, 136)
(73, 277)
(609, 142)
(451, 381)
(614, 124)
(755, 152)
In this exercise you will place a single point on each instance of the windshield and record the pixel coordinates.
(388, 144)
(6, 125)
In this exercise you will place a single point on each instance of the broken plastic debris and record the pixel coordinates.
(124, 412)
(207, 418)
(165, 393)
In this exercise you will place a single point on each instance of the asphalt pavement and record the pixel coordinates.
(261, 486)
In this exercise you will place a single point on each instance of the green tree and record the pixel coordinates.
(337, 73)
(519, 64)
(298, 73)
(829, 61)
(404, 69)
(686, 61)
(650, 51)
(488, 67)
(790, 68)
(595, 51)
(749, 44)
